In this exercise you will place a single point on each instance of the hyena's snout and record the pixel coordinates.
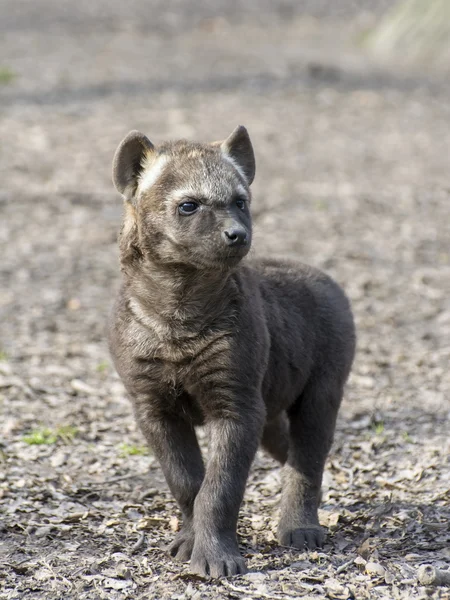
(236, 236)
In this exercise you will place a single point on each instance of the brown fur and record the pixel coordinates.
(257, 351)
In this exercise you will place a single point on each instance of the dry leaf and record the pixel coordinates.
(174, 523)
(148, 523)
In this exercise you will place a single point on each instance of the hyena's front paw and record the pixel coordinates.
(217, 558)
(308, 537)
(182, 545)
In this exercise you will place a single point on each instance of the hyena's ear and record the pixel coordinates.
(128, 162)
(239, 148)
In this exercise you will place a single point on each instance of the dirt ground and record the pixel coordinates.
(352, 176)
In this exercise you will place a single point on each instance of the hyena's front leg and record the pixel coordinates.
(175, 445)
(233, 444)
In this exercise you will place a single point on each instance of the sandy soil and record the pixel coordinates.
(352, 176)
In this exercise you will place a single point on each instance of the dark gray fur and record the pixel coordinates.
(257, 351)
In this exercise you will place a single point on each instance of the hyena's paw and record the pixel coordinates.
(217, 559)
(182, 545)
(309, 537)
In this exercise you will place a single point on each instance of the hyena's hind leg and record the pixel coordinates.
(312, 423)
(275, 438)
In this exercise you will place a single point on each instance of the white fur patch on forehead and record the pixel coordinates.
(187, 192)
(207, 190)
(240, 189)
(237, 167)
(151, 171)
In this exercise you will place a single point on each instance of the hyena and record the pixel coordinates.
(257, 351)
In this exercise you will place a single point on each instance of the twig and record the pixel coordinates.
(138, 545)
(123, 478)
(344, 566)
(429, 575)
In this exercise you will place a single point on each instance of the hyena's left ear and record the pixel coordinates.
(239, 148)
(128, 162)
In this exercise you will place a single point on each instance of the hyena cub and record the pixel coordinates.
(257, 351)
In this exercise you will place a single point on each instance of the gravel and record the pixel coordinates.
(352, 176)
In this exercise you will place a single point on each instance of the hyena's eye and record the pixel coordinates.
(187, 208)
(240, 203)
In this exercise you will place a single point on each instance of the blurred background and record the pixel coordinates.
(348, 107)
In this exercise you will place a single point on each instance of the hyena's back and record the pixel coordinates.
(311, 329)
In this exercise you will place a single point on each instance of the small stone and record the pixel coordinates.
(73, 304)
(58, 459)
(373, 568)
(80, 387)
(43, 531)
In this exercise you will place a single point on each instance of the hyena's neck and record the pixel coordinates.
(179, 301)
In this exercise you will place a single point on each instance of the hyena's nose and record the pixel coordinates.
(235, 236)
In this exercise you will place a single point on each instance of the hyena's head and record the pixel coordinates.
(186, 203)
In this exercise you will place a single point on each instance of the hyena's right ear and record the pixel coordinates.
(128, 162)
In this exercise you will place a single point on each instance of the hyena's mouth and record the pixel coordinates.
(225, 260)
(234, 253)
